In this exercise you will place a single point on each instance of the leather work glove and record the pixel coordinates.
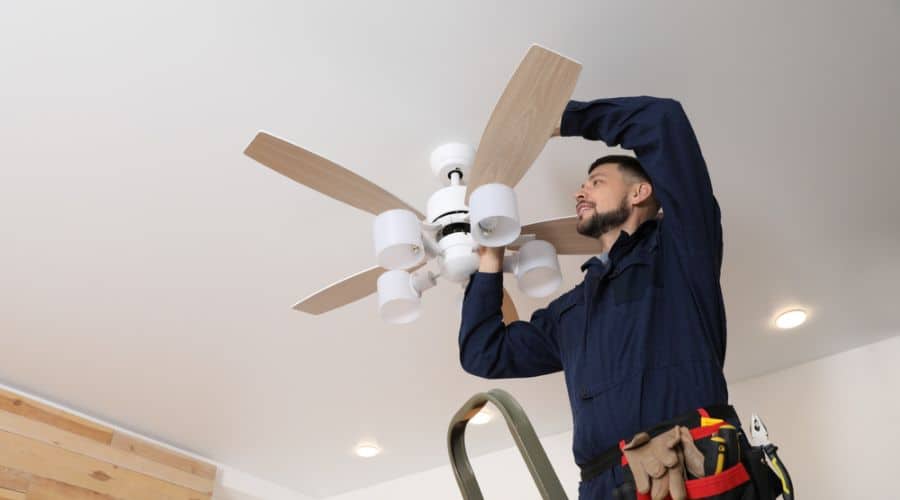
(657, 464)
(693, 457)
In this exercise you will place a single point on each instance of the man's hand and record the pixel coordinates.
(491, 259)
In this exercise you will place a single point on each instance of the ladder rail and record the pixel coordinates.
(523, 434)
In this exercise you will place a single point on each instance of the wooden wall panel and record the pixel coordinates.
(48, 489)
(161, 455)
(14, 480)
(49, 454)
(6, 494)
(33, 410)
(38, 431)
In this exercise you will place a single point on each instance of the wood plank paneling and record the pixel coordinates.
(49, 454)
(167, 457)
(45, 460)
(33, 410)
(11, 495)
(48, 489)
(115, 456)
(14, 479)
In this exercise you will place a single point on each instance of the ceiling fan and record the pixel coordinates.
(476, 207)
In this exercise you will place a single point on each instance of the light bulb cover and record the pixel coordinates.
(398, 300)
(458, 257)
(367, 450)
(537, 269)
(791, 319)
(494, 215)
(398, 239)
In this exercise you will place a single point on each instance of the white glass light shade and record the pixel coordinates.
(398, 300)
(537, 269)
(398, 239)
(494, 215)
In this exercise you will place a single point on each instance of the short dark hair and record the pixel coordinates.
(628, 165)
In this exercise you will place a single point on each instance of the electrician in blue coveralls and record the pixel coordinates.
(642, 338)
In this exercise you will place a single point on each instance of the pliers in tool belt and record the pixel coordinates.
(759, 437)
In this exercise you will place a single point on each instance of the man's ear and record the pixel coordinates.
(643, 193)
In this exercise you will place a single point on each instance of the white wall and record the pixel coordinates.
(835, 420)
(233, 484)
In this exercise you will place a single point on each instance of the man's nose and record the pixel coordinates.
(579, 195)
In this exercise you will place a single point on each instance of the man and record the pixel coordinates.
(642, 338)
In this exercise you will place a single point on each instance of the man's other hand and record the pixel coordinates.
(490, 259)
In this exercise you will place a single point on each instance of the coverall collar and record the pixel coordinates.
(624, 243)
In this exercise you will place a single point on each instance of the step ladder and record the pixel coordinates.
(523, 434)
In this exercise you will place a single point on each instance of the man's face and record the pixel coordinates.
(602, 202)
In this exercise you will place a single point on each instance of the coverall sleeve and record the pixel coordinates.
(490, 349)
(659, 133)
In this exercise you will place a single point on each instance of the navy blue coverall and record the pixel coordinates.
(642, 338)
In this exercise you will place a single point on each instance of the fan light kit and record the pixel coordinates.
(476, 207)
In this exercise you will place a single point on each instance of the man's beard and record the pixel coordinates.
(601, 223)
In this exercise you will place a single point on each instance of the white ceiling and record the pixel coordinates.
(148, 267)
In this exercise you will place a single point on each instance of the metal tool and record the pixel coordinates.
(759, 436)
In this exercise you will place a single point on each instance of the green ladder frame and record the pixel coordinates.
(522, 432)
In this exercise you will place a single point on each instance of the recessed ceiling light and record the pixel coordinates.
(367, 450)
(482, 417)
(790, 319)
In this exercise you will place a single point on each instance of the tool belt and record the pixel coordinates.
(733, 469)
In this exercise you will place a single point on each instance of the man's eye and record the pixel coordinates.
(595, 182)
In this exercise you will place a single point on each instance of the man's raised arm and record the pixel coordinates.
(487, 347)
(659, 133)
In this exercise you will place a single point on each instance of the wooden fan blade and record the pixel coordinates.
(323, 175)
(562, 233)
(345, 291)
(509, 308)
(349, 289)
(524, 118)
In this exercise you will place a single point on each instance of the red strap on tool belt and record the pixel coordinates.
(717, 484)
(726, 480)
(612, 456)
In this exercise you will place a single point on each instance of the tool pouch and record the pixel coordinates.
(732, 469)
(766, 485)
